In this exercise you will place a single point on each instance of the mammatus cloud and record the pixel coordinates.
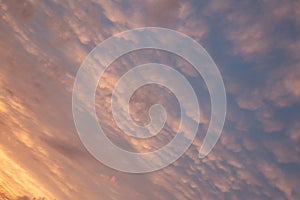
(255, 44)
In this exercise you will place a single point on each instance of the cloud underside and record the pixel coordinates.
(255, 45)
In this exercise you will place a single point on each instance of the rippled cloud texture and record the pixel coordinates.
(256, 45)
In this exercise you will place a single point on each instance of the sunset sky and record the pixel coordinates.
(255, 45)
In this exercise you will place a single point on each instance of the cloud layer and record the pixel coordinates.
(255, 45)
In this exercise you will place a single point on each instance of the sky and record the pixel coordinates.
(255, 45)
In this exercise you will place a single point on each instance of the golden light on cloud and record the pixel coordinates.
(16, 181)
(2, 107)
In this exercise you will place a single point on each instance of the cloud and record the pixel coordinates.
(42, 47)
(283, 86)
(23, 10)
(163, 12)
(249, 30)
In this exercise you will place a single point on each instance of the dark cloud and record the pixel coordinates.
(23, 10)
(163, 13)
(70, 151)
